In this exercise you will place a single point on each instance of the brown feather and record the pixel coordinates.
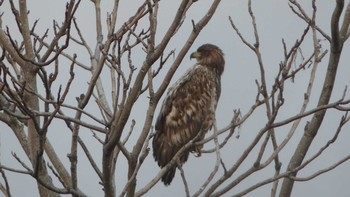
(189, 108)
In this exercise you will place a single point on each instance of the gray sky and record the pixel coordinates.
(275, 21)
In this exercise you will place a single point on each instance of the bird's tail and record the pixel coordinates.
(168, 176)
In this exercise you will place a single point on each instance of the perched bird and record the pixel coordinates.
(189, 109)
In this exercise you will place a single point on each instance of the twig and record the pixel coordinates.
(16, 170)
(21, 162)
(322, 171)
(83, 42)
(6, 189)
(56, 175)
(217, 164)
(96, 137)
(90, 158)
(302, 14)
(182, 173)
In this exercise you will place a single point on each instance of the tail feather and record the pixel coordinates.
(163, 153)
(168, 176)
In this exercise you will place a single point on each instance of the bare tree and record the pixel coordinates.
(127, 58)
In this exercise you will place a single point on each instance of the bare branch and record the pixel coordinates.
(5, 190)
(303, 15)
(182, 173)
(217, 164)
(322, 171)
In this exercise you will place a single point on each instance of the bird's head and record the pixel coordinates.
(211, 56)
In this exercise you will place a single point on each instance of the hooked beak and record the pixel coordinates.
(195, 55)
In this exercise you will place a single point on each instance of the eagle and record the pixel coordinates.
(189, 109)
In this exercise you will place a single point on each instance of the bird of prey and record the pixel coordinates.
(188, 111)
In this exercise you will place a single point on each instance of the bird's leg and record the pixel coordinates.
(198, 150)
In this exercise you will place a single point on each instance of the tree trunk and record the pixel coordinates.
(32, 102)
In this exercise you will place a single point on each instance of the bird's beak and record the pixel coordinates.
(195, 55)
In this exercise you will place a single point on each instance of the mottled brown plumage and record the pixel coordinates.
(189, 108)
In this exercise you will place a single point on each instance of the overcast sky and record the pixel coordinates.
(275, 22)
